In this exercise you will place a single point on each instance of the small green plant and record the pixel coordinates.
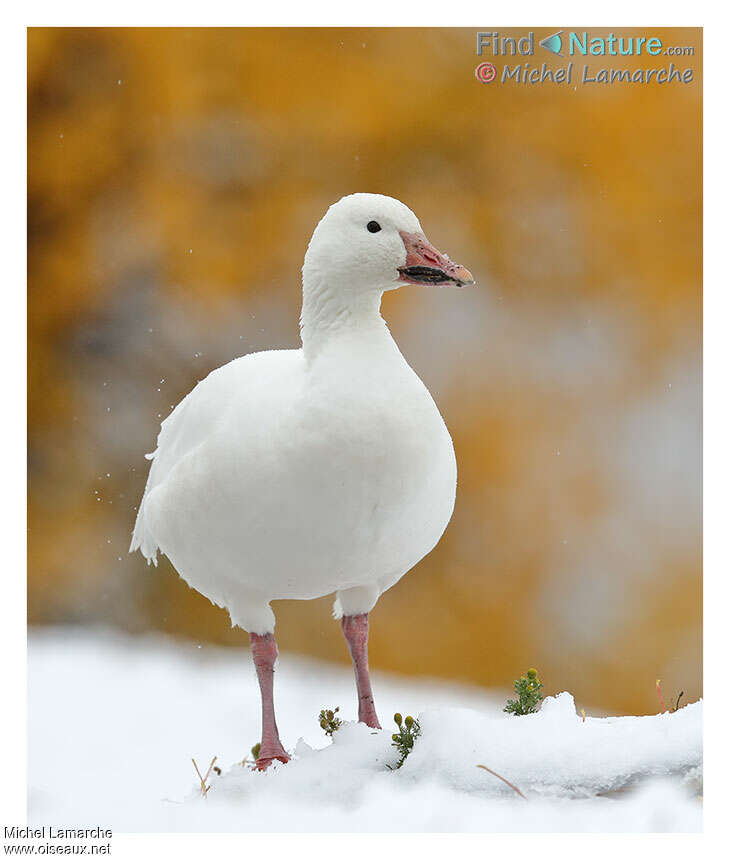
(251, 762)
(528, 695)
(329, 721)
(408, 730)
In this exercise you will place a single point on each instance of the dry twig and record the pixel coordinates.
(505, 781)
(204, 787)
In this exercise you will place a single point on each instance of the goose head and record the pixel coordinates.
(369, 243)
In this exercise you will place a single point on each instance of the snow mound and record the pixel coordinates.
(117, 751)
(551, 754)
(554, 752)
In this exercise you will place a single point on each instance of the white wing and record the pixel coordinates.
(194, 419)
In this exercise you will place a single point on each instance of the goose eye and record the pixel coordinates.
(373, 226)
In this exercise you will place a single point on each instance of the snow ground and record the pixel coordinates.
(115, 720)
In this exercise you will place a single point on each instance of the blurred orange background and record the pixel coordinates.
(175, 177)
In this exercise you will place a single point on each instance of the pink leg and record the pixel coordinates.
(355, 628)
(264, 653)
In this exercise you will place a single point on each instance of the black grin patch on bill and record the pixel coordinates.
(427, 275)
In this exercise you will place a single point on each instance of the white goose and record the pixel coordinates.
(298, 473)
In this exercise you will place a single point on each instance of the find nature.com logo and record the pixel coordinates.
(580, 44)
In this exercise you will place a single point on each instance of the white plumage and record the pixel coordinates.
(298, 473)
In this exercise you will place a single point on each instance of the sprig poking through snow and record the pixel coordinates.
(329, 722)
(528, 695)
(408, 730)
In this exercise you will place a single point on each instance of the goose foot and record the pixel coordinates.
(263, 761)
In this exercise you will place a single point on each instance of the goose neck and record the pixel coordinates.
(333, 311)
